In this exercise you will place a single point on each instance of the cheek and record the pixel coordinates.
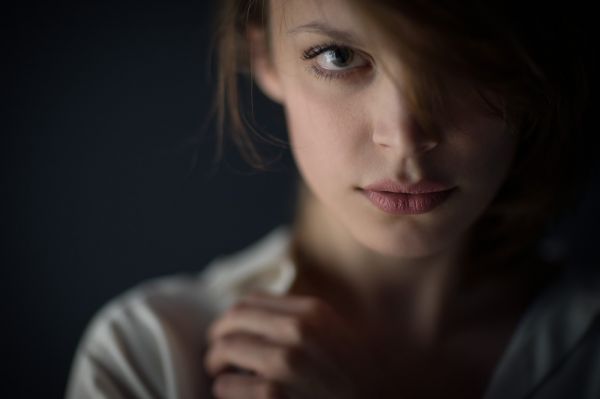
(326, 131)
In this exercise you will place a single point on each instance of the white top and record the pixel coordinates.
(149, 342)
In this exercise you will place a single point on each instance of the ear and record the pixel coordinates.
(263, 69)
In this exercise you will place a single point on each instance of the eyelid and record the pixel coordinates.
(329, 73)
(323, 48)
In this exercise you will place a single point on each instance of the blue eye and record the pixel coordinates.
(335, 61)
(338, 57)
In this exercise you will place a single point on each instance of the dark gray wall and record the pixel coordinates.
(107, 170)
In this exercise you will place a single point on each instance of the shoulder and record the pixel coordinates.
(148, 342)
(137, 336)
(555, 351)
(569, 338)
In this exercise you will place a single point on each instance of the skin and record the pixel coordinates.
(348, 130)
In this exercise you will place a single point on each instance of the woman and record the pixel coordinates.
(434, 143)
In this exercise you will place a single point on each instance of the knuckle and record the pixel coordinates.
(295, 329)
(285, 362)
(226, 343)
(232, 340)
(216, 329)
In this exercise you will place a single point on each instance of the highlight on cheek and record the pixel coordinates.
(336, 61)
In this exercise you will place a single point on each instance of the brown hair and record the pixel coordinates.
(530, 59)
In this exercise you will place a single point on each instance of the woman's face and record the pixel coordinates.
(350, 127)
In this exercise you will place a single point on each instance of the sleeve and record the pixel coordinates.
(142, 346)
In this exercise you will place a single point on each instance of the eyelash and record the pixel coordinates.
(321, 73)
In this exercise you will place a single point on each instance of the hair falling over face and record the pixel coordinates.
(505, 53)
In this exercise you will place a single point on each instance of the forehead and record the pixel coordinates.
(339, 20)
(289, 16)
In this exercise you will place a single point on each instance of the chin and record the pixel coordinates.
(395, 250)
(404, 244)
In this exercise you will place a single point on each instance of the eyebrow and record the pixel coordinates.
(325, 29)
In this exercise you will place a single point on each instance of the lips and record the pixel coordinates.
(422, 187)
(407, 199)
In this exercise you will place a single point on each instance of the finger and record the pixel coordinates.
(295, 304)
(312, 312)
(239, 386)
(284, 365)
(277, 327)
(282, 330)
(312, 315)
(255, 354)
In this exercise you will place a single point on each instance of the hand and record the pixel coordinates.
(287, 347)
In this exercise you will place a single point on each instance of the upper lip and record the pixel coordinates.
(421, 187)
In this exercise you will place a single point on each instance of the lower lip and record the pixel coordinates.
(407, 204)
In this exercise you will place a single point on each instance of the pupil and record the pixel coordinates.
(340, 57)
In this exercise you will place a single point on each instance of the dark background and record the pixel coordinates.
(107, 176)
(108, 173)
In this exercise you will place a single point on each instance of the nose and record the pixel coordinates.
(395, 127)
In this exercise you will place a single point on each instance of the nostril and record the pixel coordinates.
(410, 148)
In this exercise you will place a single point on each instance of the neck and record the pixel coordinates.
(357, 280)
(328, 242)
